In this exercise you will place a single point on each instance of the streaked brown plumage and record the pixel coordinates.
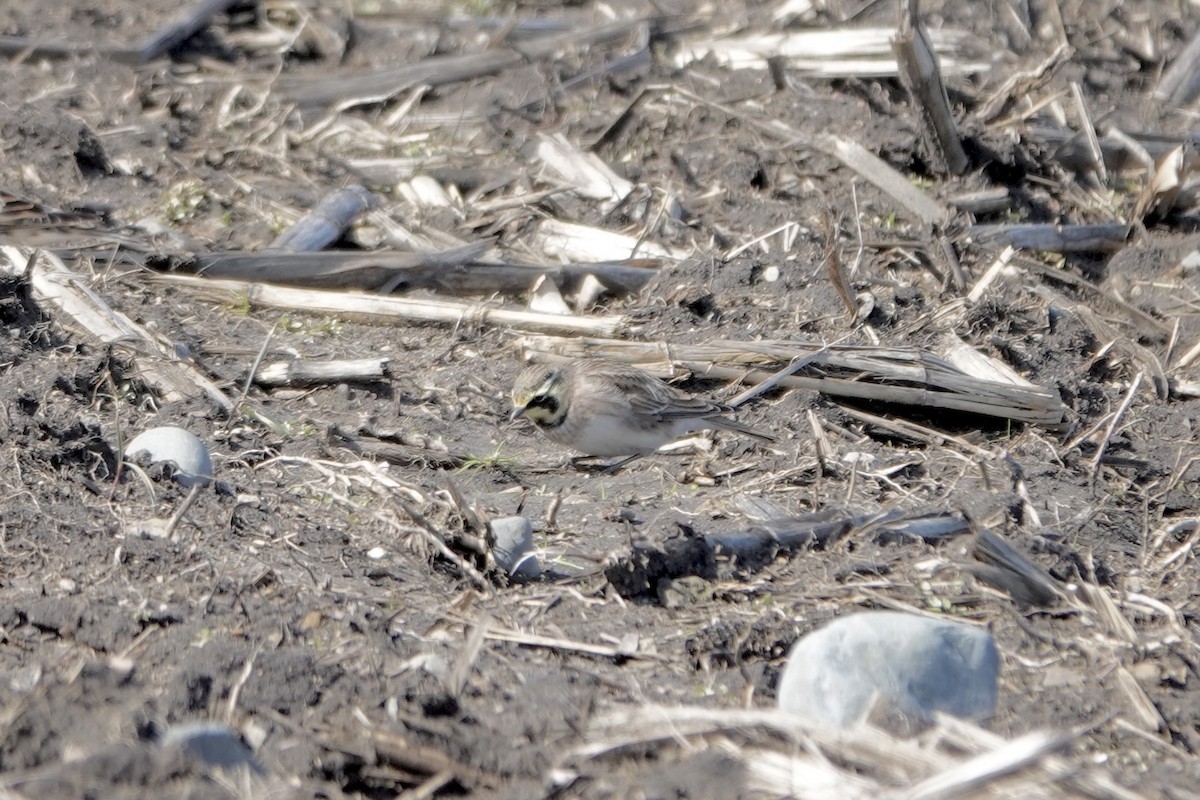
(606, 408)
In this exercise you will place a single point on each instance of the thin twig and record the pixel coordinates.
(262, 353)
(173, 522)
(1116, 418)
(797, 364)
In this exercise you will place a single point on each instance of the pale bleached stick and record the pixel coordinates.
(836, 53)
(874, 169)
(307, 373)
(991, 274)
(379, 308)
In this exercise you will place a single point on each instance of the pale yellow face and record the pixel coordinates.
(540, 393)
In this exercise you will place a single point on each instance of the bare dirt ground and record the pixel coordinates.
(304, 600)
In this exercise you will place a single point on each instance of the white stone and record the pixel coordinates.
(189, 454)
(887, 661)
(513, 537)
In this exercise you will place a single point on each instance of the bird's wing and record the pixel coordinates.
(650, 397)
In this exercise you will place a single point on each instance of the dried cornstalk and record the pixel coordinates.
(442, 70)
(922, 78)
(1100, 238)
(377, 308)
(1159, 195)
(585, 173)
(837, 53)
(308, 373)
(1181, 81)
(326, 221)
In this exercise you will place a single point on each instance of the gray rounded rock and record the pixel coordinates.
(213, 743)
(188, 452)
(513, 547)
(887, 661)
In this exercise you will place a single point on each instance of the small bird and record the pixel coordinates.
(605, 408)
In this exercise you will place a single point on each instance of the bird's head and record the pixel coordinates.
(540, 394)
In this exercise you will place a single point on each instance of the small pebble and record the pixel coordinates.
(254, 734)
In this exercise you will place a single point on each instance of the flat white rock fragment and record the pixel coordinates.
(189, 453)
(899, 664)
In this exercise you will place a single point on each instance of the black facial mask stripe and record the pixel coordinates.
(550, 404)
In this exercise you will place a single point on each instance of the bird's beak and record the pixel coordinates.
(517, 412)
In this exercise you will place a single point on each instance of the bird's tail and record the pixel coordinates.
(730, 424)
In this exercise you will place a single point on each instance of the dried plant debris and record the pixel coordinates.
(944, 255)
(921, 75)
(853, 52)
(781, 755)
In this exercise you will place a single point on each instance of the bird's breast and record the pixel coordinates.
(605, 435)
